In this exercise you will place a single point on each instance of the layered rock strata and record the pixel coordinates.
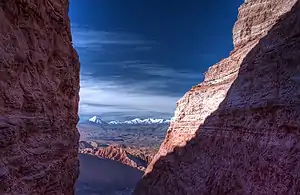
(238, 131)
(137, 158)
(121, 155)
(39, 85)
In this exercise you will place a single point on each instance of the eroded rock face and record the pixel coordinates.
(256, 17)
(39, 85)
(121, 155)
(137, 158)
(238, 131)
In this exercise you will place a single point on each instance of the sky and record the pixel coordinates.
(139, 57)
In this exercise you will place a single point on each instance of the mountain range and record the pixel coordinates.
(147, 121)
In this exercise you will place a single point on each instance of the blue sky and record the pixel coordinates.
(139, 57)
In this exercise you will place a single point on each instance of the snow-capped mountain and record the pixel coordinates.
(96, 120)
(141, 121)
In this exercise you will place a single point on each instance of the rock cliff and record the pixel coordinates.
(138, 158)
(238, 131)
(122, 155)
(39, 85)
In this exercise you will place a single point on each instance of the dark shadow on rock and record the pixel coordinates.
(105, 176)
(251, 143)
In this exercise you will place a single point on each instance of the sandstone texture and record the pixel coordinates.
(121, 155)
(137, 158)
(238, 131)
(39, 85)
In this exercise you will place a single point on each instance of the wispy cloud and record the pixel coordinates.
(163, 71)
(117, 84)
(103, 97)
(153, 69)
(84, 37)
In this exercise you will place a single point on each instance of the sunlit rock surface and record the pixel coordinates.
(134, 157)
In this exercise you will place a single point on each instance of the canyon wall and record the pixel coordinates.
(39, 85)
(238, 131)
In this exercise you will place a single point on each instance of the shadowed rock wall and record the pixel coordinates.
(39, 85)
(238, 131)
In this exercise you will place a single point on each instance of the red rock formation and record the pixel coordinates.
(121, 155)
(135, 157)
(39, 85)
(145, 154)
(238, 131)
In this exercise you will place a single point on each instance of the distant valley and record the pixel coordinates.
(134, 133)
(124, 145)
